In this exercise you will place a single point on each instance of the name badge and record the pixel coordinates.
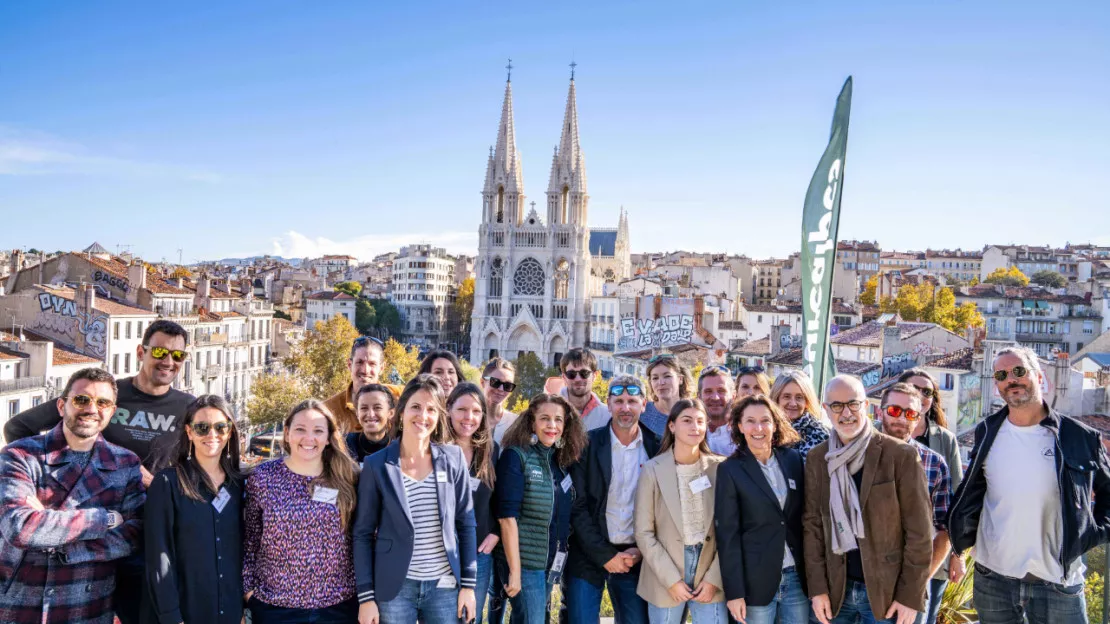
(791, 483)
(325, 495)
(567, 482)
(699, 485)
(221, 500)
(441, 477)
(474, 483)
(559, 562)
(446, 582)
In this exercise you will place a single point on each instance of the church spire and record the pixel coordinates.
(566, 191)
(504, 185)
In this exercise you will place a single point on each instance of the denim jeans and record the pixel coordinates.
(584, 599)
(702, 613)
(421, 600)
(497, 597)
(855, 606)
(932, 602)
(485, 572)
(1003, 600)
(789, 606)
(530, 605)
(342, 613)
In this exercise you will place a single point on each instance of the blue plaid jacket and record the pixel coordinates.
(57, 564)
(940, 483)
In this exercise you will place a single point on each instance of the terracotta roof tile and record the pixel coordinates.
(960, 359)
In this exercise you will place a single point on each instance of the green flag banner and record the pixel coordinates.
(820, 222)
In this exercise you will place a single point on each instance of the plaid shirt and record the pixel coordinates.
(57, 564)
(939, 481)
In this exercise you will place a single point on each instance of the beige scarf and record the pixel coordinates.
(844, 461)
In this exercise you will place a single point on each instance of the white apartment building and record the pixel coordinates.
(322, 306)
(423, 288)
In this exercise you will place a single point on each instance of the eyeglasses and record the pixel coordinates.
(581, 374)
(897, 411)
(661, 356)
(160, 353)
(1018, 372)
(838, 406)
(750, 370)
(202, 429)
(497, 384)
(925, 392)
(630, 390)
(718, 368)
(81, 401)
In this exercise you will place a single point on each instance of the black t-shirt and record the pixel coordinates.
(855, 561)
(140, 418)
(359, 447)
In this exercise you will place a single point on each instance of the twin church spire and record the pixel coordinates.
(504, 186)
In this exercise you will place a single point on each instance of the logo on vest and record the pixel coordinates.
(535, 474)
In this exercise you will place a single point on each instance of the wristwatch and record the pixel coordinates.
(114, 519)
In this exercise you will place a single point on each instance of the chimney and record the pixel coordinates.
(892, 339)
(204, 287)
(778, 333)
(85, 297)
(136, 278)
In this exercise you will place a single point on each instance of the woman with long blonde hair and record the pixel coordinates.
(794, 393)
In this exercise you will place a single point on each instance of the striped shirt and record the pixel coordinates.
(429, 557)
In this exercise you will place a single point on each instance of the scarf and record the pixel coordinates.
(844, 461)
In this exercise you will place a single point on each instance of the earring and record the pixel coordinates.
(229, 449)
(535, 439)
(559, 443)
(190, 450)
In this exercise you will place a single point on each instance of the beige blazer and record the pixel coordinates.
(659, 533)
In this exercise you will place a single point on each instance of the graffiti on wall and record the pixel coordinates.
(59, 318)
(894, 365)
(114, 281)
(871, 378)
(665, 331)
(790, 342)
(971, 402)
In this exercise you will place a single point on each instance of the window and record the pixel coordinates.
(115, 364)
(127, 331)
(13, 407)
(115, 331)
(35, 402)
(126, 363)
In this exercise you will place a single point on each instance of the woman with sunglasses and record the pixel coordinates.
(751, 380)
(794, 393)
(534, 511)
(192, 523)
(931, 430)
(444, 366)
(498, 382)
(674, 516)
(469, 423)
(668, 381)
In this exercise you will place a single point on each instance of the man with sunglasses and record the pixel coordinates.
(365, 367)
(70, 507)
(579, 369)
(1035, 499)
(900, 411)
(603, 545)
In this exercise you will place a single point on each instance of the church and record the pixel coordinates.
(537, 271)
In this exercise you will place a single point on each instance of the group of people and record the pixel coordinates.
(720, 498)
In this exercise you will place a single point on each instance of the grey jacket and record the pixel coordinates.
(944, 442)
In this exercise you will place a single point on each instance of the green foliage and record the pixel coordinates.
(601, 387)
(530, 376)
(396, 357)
(388, 318)
(1092, 589)
(1012, 277)
(468, 372)
(272, 396)
(955, 605)
(278, 314)
(868, 296)
(320, 360)
(921, 303)
(1049, 279)
(353, 289)
(365, 316)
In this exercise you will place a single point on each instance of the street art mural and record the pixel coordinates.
(971, 402)
(871, 378)
(115, 281)
(649, 324)
(86, 330)
(791, 342)
(894, 365)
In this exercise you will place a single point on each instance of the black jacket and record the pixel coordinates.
(590, 548)
(752, 529)
(1083, 473)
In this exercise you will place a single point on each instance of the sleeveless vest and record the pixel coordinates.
(534, 523)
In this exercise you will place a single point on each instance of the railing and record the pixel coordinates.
(211, 339)
(600, 346)
(23, 383)
(530, 239)
(1039, 337)
(212, 371)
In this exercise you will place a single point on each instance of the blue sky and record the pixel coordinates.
(305, 128)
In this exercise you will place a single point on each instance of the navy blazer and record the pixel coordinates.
(383, 529)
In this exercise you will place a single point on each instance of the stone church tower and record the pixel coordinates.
(532, 288)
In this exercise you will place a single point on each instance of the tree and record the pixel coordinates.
(181, 271)
(278, 314)
(388, 318)
(272, 396)
(868, 296)
(468, 372)
(601, 387)
(1012, 277)
(320, 360)
(365, 316)
(396, 357)
(911, 300)
(967, 315)
(463, 307)
(1049, 279)
(353, 289)
(974, 281)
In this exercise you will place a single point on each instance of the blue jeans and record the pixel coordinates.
(342, 613)
(789, 606)
(584, 599)
(1003, 600)
(421, 600)
(485, 571)
(497, 597)
(932, 602)
(530, 605)
(702, 613)
(855, 606)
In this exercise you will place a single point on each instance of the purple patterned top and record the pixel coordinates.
(294, 553)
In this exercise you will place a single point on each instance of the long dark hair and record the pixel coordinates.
(424, 381)
(340, 471)
(680, 406)
(574, 434)
(441, 354)
(481, 443)
(936, 412)
(190, 476)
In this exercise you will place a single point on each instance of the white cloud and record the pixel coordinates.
(293, 244)
(28, 153)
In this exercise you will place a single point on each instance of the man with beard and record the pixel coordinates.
(1035, 499)
(365, 366)
(603, 544)
(901, 407)
(715, 391)
(579, 369)
(375, 403)
(866, 524)
(70, 505)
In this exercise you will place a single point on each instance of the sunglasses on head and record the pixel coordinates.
(497, 384)
(925, 392)
(1018, 372)
(897, 411)
(82, 401)
(160, 353)
(202, 428)
(661, 356)
(365, 340)
(630, 390)
(751, 370)
(712, 369)
(581, 374)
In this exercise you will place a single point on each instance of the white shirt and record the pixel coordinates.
(772, 471)
(720, 441)
(621, 500)
(1021, 528)
(507, 420)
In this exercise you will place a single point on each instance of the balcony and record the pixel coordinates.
(1039, 337)
(211, 339)
(23, 383)
(600, 346)
(213, 371)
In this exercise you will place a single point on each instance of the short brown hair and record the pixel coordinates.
(784, 432)
(578, 355)
(902, 387)
(94, 375)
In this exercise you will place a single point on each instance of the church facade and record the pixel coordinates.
(537, 269)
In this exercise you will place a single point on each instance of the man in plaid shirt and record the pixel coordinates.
(70, 505)
(901, 407)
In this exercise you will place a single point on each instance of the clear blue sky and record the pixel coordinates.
(228, 128)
